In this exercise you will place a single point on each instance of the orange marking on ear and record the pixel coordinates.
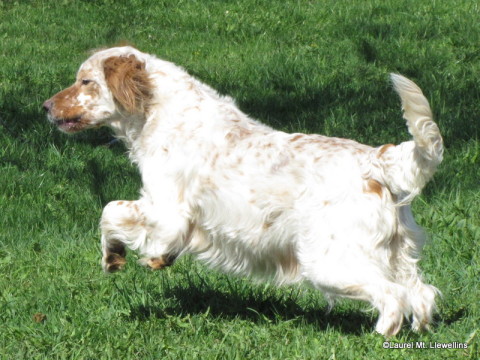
(129, 82)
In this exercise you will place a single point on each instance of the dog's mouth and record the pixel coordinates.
(70, 125)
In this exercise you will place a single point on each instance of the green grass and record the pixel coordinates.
(313, 66)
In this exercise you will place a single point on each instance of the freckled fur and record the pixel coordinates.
(252, 201)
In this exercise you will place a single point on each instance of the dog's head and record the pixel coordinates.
(111, 83)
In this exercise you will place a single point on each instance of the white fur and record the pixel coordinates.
(253, 201)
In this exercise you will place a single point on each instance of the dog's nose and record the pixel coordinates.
(47, 105)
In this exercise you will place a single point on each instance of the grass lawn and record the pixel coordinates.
(311, 66)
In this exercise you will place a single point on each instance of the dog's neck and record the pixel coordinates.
(127, 127)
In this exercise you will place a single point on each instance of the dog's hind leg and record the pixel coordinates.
(406, 248)
(123, 225)
(344, 264)
(389, 298)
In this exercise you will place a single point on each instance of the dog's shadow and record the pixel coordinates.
(258, 309)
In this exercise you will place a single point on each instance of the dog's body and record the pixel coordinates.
(254, 201)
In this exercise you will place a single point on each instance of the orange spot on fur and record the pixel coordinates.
(296, 137)
(160, 262)
(238, 133)
(129, 223)
(383, 149)
(65, 103)
(270, 220)
(155, 263)
(373, 186)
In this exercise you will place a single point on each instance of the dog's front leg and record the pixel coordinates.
(158, 233)
(169, 231)
(123, 225)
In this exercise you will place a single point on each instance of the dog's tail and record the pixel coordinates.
(416, 111)
(410, 165)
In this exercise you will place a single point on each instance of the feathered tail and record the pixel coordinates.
(410, 165)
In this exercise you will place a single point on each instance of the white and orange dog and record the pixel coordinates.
(254, 201)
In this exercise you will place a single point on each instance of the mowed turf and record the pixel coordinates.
(310, 66)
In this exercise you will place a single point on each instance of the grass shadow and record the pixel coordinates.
(258, 309)
(450, 316)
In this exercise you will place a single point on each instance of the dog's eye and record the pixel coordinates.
(86, 81)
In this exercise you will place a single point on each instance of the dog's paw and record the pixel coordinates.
(113, 262)
(157, 263)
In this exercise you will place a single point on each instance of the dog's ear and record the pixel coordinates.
(129, 82)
